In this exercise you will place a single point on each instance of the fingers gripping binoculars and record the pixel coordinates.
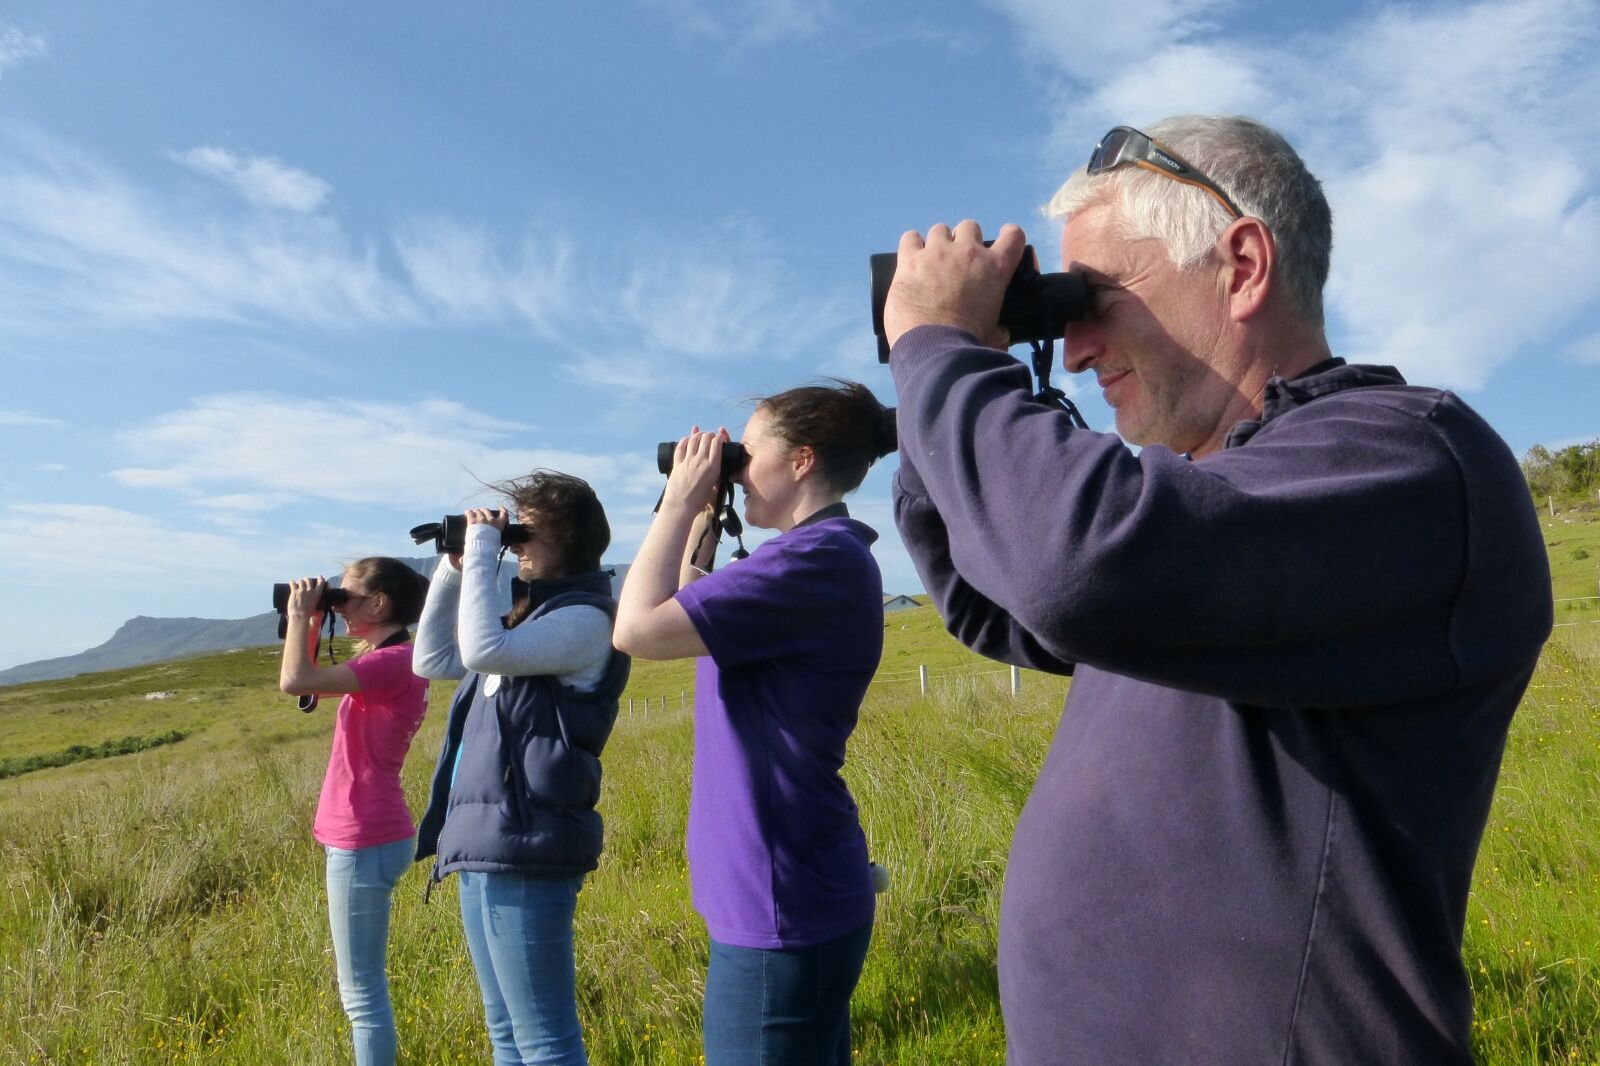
(725, 519)
(734, 458)
(1036, 307)
(449, 534)
(331, 598)
(1035, 310)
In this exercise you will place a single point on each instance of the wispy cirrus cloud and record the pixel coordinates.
(750, 22)
(1465, 234)
(246, 453)
(78, 242)
(27, 418)
(722, 296)
(17, 47)
(467, 275)
(262, 180)
(81, 244)
(158, 566)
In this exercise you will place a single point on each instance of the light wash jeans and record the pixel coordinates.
(360, 887)
(519, 931)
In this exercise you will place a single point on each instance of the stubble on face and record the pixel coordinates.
(1150, 320)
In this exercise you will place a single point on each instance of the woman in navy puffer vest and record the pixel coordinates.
(512, 804)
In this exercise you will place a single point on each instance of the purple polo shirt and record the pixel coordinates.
(776, 854)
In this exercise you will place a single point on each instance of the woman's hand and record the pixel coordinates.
(483, 516)
(696, 465)
(305, 595)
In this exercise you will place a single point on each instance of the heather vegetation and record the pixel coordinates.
(166, 906)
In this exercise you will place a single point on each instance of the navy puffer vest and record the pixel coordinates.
(528, 779)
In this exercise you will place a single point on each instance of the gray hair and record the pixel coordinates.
(1254, 165)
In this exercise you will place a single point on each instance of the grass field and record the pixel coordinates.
(167, 906)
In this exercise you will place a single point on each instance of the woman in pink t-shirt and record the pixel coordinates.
(362, 819)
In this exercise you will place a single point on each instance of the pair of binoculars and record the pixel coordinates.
(1036, 307)
(449, 534)
(734, 458)
(331, 598)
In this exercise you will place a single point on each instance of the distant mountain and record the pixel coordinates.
(144, 640)
(151, 640)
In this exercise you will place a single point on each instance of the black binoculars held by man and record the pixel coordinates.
(1035, 308)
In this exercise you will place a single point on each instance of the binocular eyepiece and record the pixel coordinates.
(1036, 307)
(449, 534)
(734, 458)
(331, 598)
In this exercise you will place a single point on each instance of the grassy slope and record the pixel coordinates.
(167, 906)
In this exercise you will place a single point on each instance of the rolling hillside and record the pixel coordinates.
(166, 906)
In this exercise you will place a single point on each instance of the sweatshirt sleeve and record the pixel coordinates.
(434, 653)
(1317, 566)
(973, 620)
(566, 642)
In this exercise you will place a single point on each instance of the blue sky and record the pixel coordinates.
(279, 281)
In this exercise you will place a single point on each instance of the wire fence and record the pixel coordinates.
(922, 676)
(925, 677)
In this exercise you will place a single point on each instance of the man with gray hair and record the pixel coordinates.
(1299, 620)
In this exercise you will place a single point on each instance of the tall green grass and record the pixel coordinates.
(167, 906)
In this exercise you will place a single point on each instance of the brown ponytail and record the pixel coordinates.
(843, 423)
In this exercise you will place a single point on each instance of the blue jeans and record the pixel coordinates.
(519, 931)
(360, 886)
(785, 1006)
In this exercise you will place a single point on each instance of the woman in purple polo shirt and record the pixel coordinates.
(787, 641)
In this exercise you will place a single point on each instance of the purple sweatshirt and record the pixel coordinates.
(1295, 662)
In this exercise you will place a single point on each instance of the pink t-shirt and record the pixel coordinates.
(362, 803)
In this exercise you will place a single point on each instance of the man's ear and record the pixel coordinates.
(1249, 256)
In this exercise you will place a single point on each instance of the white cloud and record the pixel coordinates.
(27, 418)
(722, 298)
(267, 451)
(748, 22)
(1190, 78)
(79, 243)
(242, 503)
(460, 270)
(1095, 42)
(1432, 280)
(135, 547)
(17, 47)
(262, 180)
(1465, 232)
(1458, 144)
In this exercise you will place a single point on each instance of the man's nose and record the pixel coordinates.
(1079, 348)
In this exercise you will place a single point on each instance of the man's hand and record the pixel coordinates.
(951, 279)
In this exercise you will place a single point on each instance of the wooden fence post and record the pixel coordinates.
(922, 678)
(1016, 680)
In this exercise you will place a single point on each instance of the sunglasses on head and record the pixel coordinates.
(1126, 146)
